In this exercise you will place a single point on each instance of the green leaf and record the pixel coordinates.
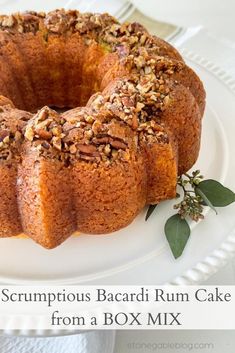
(216, 193)
(150, 211)
(205, 199)
(177, 232)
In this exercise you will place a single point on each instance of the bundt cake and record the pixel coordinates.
(97, 120)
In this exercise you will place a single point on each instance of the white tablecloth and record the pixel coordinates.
(91, 342)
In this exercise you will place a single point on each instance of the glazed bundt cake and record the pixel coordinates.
(129, 122)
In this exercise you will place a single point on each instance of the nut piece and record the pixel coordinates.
(73, 149)
(117, 144)
(8, 21)
(88, 149)
(29, 133)
(3, 134)
(107, 150)
(45, 135)
(42, 115)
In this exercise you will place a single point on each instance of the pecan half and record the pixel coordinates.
(117, 144)
(3, 134)
(87, 149)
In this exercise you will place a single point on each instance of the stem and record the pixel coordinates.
(188, 176)
(185, 191)
(190, 205)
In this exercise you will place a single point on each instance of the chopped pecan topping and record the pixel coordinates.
(11, 136)
(21, 22)
(60, 21)
(45, 125)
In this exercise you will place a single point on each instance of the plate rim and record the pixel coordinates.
(221, 255)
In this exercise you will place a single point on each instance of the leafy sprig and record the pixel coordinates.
(196, 194)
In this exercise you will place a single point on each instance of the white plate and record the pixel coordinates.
(126, 256)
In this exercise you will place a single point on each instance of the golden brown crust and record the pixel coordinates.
(9, 215)
(95, 167)
(75, 49)
(182, 109)
(108, 198)
(161, 157)
(47, 219)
